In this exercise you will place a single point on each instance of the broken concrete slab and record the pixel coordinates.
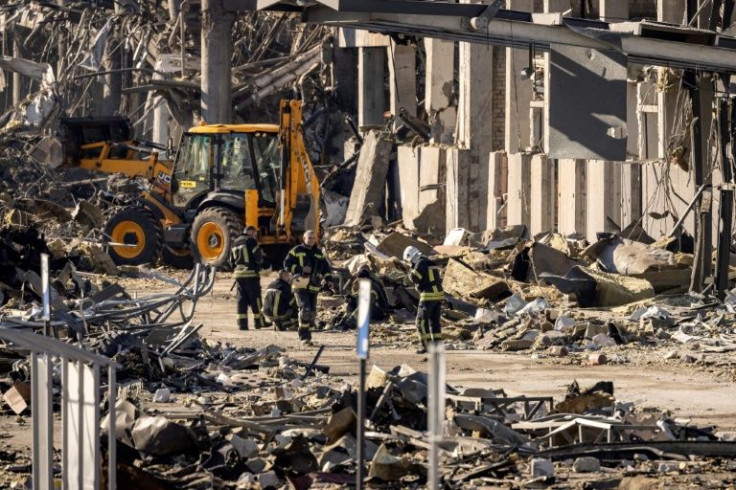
(431, 219)
(387, 467)
(18, 396)
(535, 259)
(339, 424)
(395, 243)
(462, 281)
(367, 198)
(622, 256)
(595, 288)
(158, 436)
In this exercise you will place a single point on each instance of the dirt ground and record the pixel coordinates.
(703, 393)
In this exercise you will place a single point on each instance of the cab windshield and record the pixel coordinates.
(192, 168)
(251, 161)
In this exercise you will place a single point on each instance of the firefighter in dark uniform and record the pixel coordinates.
(279, 305)
(309, 268)
(247, 260)
(427, 279)
(379, 301)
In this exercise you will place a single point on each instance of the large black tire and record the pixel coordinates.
(213, 232)
(141, 231)
(177, 258)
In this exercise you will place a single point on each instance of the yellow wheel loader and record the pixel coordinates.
(223, 177)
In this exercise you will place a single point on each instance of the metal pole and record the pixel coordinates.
(703, 245)
(726, 205)
(436, 413)
(360, 474)
(112, 441)
(46, 294)
(364, 305)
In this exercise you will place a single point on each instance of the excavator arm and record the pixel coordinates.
(299, 186)
(104, 144)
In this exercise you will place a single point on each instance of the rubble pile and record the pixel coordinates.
(215, 416)
(74, 56)
(550, 297)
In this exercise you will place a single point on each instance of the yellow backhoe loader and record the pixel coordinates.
(223, 177)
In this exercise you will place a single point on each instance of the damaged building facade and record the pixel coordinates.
(505, 142)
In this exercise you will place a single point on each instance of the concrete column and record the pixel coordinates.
(630, 194)
(614, 10)
(17, 78)
(603, 198)
(402, 69)
(672, 11)
(371, 76)
(518, 91)
(174, 9)
(112, 82)
(475, 121)
(497, 189)
(555, 6)
(432, 161)
(461, 209)
(345, 68)
(519, 189)
(408, 167)
(217, 48)
(160, 130)
(571, 197)
(543, 195)
(438, 99)
(550, 6)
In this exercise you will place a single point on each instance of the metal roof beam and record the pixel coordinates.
(513, 33)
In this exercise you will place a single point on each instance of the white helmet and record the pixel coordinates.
(410, 252)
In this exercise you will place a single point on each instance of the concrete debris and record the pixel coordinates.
(367, 198)
(204, 408)
(586, 465)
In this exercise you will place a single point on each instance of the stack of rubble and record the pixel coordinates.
(215, 416)
(551, 296)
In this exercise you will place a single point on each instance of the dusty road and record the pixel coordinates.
(700, 393)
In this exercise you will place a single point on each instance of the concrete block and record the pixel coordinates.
(371, 74)
(631, 203)
(439, 89)
(402, 78)
(519, 189)
(603, 180)
(366, 198)
(459, 205)
(431, 171)
(497, 189)
(571, 197)
(358, 38)
(542, 467)
(586, 464)
(543, 195)
(408, 166)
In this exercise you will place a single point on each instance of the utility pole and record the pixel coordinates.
(217, 48)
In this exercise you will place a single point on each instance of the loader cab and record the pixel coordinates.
(227, 160)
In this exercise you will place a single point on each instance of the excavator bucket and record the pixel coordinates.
(77, 131)
(66, 148)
